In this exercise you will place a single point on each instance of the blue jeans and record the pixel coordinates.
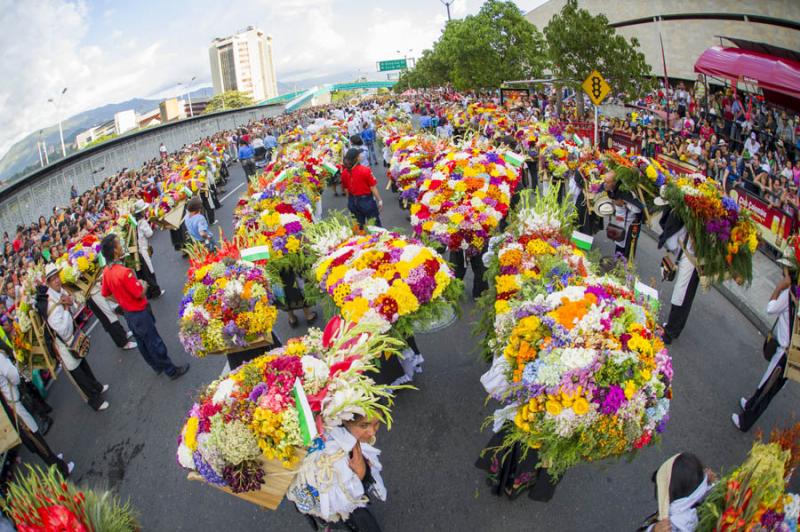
(143, 327)
(364, 208)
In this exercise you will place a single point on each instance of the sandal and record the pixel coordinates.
(312, 319)
(293, 321)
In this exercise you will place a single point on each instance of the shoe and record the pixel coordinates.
(105, 388)
(743, 403)
(735, 421)
(129, 334)
(162, 292)
(104, 406)
(70, 467)
(179, 372)
(130, 345)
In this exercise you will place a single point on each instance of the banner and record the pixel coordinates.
(774, 225)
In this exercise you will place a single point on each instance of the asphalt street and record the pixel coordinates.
(428, 454)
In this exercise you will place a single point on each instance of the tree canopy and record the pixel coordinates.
(481, 51)
(499, 44)
(228, 100)
(579, 42)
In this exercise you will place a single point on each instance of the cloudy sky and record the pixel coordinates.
(107, 51)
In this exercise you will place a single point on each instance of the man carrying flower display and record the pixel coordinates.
(121, 283)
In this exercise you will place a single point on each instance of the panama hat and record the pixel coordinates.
(140, 206)
(50, 271)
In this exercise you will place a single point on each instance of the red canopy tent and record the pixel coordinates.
(777, 77)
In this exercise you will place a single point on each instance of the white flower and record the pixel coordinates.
(576, 358)
(791, 506)
(185, 458)
(315, 371)
(224, 391)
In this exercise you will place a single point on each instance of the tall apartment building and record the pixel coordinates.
(243, 62)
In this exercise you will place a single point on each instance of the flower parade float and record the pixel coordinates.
(227, 304)
(383, 279)
(578, 367)
(466, 197)
(43, 501)
(250, 432)
(723, 236)
(81, 264)
(754, 496)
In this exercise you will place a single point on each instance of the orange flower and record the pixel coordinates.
(572, 311)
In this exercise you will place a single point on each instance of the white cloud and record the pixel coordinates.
(106, 55)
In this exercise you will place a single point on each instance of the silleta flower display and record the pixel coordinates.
(578, 365)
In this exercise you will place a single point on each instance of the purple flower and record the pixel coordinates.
(294, 227)
(257, 391)
(206, 471)
(614, 399)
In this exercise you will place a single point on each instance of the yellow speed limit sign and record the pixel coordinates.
(596, 87)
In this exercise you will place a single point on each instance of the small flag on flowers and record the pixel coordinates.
(255, 253)
(514, 159)
(582, 240)
(307, 426)
(330, 167)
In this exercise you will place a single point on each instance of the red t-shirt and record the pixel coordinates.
(16, 245)
(121, 282)
(358, 180)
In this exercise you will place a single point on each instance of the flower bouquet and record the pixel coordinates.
(226, 306)
(81, 264)
(641, 176)
(44, 501)
(385, 279)
(578, 367)
(754, 495)
(413, 159)
(30, 350)
(464, 200)
(723, 234)
(248, 432)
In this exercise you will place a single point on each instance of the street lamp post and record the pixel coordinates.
(447, 5)
(189, 95)
(58, 117)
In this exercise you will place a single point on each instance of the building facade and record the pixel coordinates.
(243, 62)
(688, 27)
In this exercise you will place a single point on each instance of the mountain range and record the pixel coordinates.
(23, 157)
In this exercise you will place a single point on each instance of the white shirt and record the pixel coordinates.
(144, 233)
(60, 320)
(752, 146)
(9, 382)
(328, 471)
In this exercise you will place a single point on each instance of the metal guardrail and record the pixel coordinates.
(38, 193)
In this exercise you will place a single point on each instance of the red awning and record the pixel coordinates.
(773, 74)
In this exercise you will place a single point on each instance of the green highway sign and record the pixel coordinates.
(392, 64)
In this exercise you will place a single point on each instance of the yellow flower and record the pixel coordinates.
(553, 406)
(406, 300)
(630, 389)
(580, 406)
(354, 309)
(292, 244)
(501, 306)
(506, 283)
(190, 433)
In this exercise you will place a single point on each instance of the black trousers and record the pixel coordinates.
(87, 382)
(144, 273)
(679, 314)
(458, 260)
(209, 209)
(628, 248)
(760, 400)
(249, 167)
(533, 174)
(36, 443)
(178, 237)
(33, 401)
(114, 329)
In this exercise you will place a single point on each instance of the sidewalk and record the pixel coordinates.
(750, 300)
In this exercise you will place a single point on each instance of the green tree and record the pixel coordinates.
(228, 100)
(578, 43)
(481, 51)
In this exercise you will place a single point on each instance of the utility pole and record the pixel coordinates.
(58, 117)
(189, 95)
(447, 5)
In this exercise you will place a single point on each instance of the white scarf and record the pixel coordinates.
(681, 512)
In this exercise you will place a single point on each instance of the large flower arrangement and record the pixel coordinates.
(465, 199)
(723, 234)
(41, 500)
(227, 304)
(754, 495)
(256, 413)
(641, 176)
(413, 158)
(578, 366)
(386, 279)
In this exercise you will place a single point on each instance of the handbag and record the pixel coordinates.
(770, 343)
(615, 232)
(669, 268)
(79, 346)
